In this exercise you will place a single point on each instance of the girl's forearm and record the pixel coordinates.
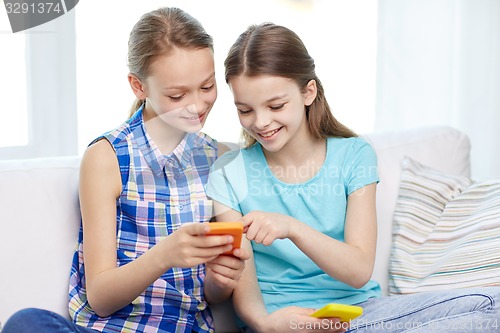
(249, 305)
(247, 297)
(344, 262)
(113, 289)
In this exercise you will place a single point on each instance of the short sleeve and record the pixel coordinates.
(363, 169)
(224, 179)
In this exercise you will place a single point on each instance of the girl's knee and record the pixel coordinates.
(493, 296)
(28, 314)
(477, 299)
(24, 320)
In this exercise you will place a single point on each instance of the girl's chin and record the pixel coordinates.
(192, 129)
(273, 146)
(196, 127)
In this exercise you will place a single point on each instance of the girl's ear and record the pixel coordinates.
(137, 87)
(310, 92)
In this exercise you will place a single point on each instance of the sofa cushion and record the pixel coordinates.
(446, 231)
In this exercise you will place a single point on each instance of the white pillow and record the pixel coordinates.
(446, 232)
(440, 147)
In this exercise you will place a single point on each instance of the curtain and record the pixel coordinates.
(438, 63)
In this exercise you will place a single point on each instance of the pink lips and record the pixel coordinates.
(269, 135)
(197, 119)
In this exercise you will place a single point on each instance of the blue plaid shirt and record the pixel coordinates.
(159, 194)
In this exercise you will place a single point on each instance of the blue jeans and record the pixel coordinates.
(41, 321)
(457, 310)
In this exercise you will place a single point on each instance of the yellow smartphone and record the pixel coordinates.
(342, 311)
(234, 229)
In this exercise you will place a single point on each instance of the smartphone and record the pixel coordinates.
(234, 229)
(341, 311)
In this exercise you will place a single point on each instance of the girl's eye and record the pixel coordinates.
(244, 111)
(208, 88)
(176, 98)
(277, 107)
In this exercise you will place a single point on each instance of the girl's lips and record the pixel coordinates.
(197, 118)
(269, 134)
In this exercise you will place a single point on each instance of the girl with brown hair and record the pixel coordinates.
(142, 262)
(305, 187)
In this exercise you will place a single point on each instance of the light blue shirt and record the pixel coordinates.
(243, 181)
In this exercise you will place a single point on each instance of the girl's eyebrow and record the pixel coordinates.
(276, 98)
(240, 103)
(272, 99)
(210, 77)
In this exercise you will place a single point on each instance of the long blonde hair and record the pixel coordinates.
(156, 33)
(270, 49)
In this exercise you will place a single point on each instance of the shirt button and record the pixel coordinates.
(181, 207)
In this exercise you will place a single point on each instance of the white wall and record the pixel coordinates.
(340, 35)
(439, 63)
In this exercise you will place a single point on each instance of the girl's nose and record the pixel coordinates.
(193, 108)
(262, 120)
(198, 107)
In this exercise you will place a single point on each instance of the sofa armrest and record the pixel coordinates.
(39, 225)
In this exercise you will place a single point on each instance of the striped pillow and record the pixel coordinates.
(446, 232)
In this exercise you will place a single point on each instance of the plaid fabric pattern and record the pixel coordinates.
(160, 193)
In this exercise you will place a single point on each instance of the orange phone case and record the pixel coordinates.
(234, 229)
(341, 311)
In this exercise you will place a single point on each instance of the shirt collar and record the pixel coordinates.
(146, 145)
(184, 151)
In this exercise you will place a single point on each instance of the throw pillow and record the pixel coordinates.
(446, 232)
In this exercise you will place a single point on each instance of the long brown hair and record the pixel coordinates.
(156, 33)
(270, 49)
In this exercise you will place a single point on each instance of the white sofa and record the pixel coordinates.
(39, 216)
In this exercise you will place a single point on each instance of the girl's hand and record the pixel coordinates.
(265, 228)
(186, 248)
(298, 320)
(226, 270)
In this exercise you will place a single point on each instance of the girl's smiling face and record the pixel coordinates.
(272, 109)
(181, 88)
